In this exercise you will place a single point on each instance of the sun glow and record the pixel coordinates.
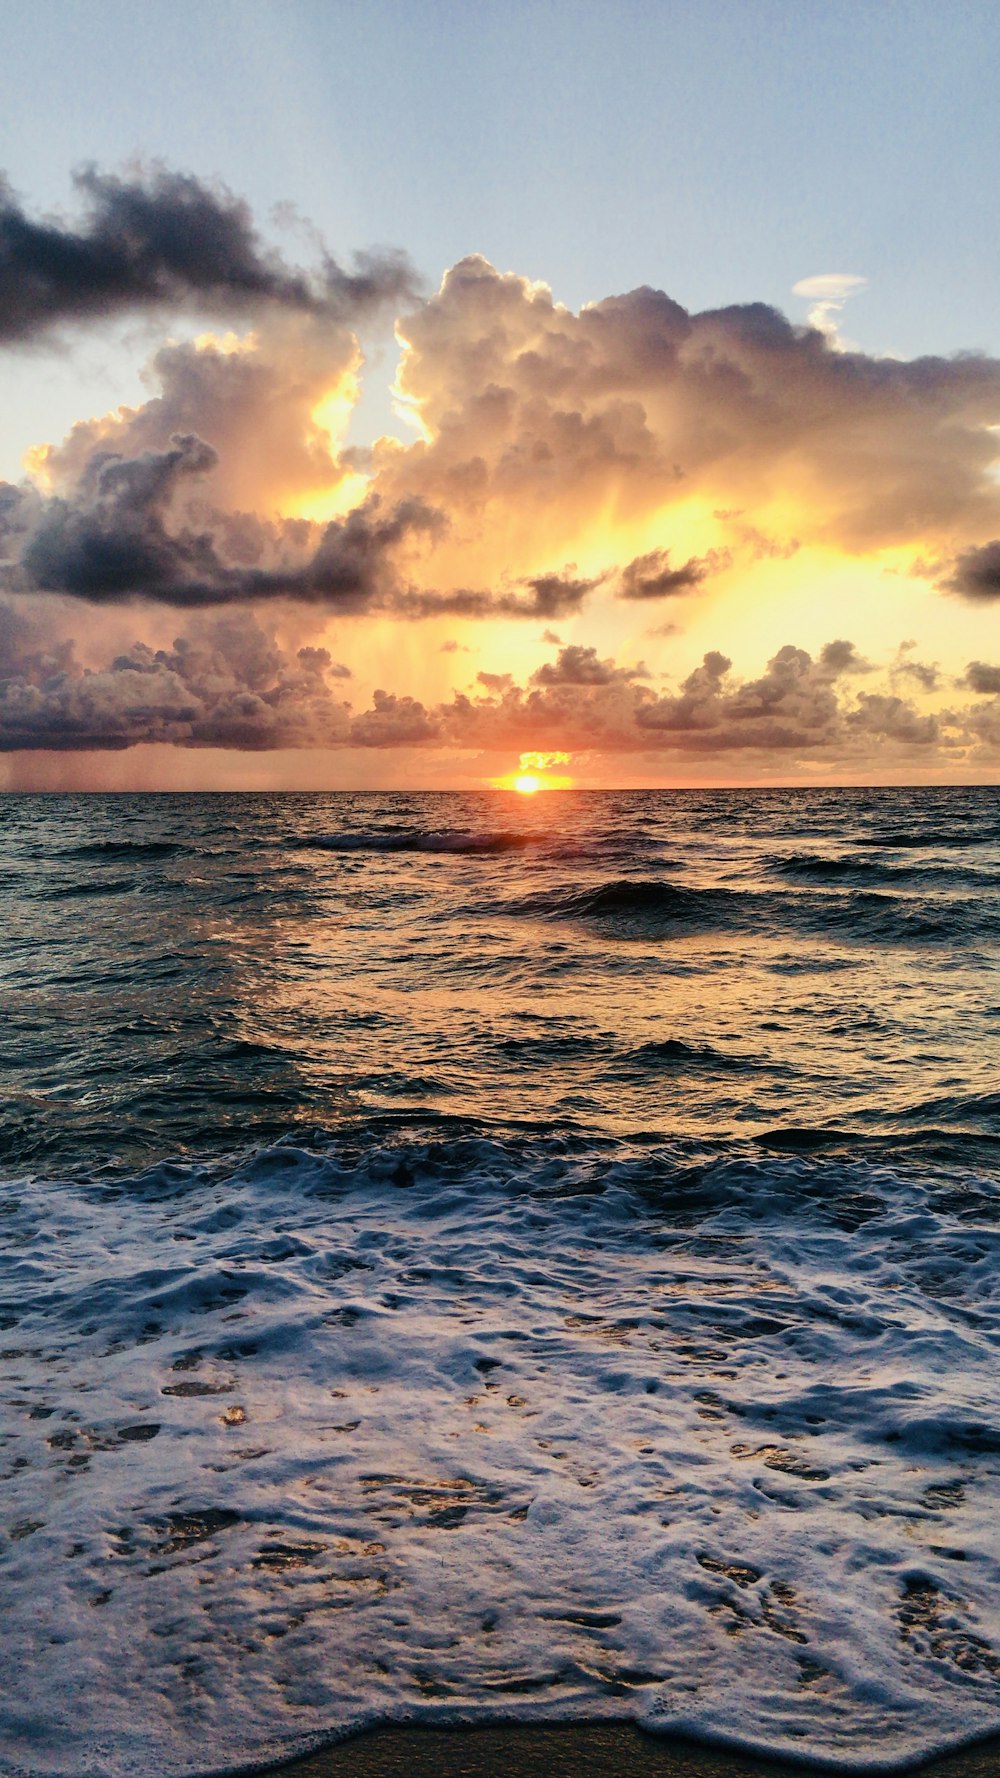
(330, 418)
(533, 774)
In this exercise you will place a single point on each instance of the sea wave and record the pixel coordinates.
(653, 907)
(457, 840)
(623, 899)
(99, 850)
(463, 1426)
(812, 867)
(672, 1053)
(930, 838)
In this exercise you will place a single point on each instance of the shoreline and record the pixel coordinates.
(598, 1749)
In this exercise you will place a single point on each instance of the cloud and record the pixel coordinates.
(794, 704)
(841, 657)
(975, 573)
(544, 432)
(829, 291)
(580, 666)
(926, 674)
(982, 678)
(554, 449)
(543, 595)
(537, 421)
(651, 576)
(225, 684)
(143, 510)
(111, 542)
(253, 398)
(880, 716)
(542, 762)
(393, 722)
(159, 239)
(173, 502)
(797, 706)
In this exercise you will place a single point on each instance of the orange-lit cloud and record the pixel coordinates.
(550, 422)
(699, 501)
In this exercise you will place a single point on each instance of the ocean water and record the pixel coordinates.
(490, 1256)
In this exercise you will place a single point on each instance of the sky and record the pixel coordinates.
(425, 395)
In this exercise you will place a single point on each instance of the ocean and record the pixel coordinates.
(492, 1256)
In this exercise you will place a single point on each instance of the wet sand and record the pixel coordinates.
(574, 1750)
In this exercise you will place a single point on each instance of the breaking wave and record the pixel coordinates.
(466, 1426)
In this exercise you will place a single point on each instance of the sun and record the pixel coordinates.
(534, 774)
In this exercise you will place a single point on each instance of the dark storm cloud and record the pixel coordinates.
(110, 543)
(116, 544)
(162, 239)
(550, 595)
(976, 573)
(651, 576)
(225, 683)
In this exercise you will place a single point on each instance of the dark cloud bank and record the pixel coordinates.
(227, 683)
(163, 240)
(111, 545)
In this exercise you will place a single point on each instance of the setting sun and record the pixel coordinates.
(533, 774)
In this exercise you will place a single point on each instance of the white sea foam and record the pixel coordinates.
(468, 1429)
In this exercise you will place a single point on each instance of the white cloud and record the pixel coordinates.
(828, 292)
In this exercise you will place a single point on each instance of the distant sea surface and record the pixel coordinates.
(489, 1256)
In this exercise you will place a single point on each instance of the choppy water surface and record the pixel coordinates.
(475, 1255)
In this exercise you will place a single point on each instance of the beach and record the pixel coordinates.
(574, 1750)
